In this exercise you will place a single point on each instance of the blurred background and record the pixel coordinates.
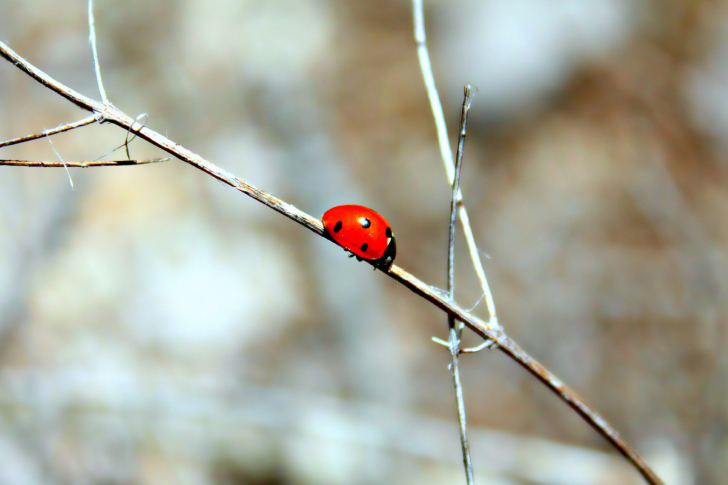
(158, 327)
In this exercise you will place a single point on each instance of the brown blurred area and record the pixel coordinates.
(158, 327)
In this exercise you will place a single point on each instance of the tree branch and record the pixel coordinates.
(455, 328)
(92, 41)
(113, 115)
(80, 164)
(596, 421)
(59, 129)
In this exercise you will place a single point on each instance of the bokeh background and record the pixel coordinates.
(157, 327)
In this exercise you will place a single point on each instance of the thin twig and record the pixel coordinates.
(128, 140)
(92, 40)
(80, 164)
(596, 421)
(59, 129)
(436, 297)
(467, 100)
(446, 153)
(454, 327)
(70, 179)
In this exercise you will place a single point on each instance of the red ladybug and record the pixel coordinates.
(363, 232)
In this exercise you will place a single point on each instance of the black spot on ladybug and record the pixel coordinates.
(337, 227)
(364, 247)
(388, 232)
(365, 223)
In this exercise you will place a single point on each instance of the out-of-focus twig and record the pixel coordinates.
(446, 153)
(454, 327)
(115, 116)
(58, 129)
(80, 164)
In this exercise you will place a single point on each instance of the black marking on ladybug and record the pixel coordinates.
(365, 223)
(364, 247)
(337, 227)
(388, 232)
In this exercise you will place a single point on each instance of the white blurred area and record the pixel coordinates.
(157, 326)
(521, 52)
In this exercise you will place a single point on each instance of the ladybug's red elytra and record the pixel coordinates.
(363, 232)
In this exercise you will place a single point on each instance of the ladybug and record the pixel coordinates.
(363, 232)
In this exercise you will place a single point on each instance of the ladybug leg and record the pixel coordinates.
(351, 255)
(359, 259)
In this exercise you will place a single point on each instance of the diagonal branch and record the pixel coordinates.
(113, 115)
(100, 163)
(52, 131)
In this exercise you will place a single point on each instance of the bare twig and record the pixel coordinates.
(70, 179)
(454, 202)
(92, 40)
(446, 153)
(596, 421)
(143, 116)
(81, 164)
(455, 329)
(113, 115)
(59, 129)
